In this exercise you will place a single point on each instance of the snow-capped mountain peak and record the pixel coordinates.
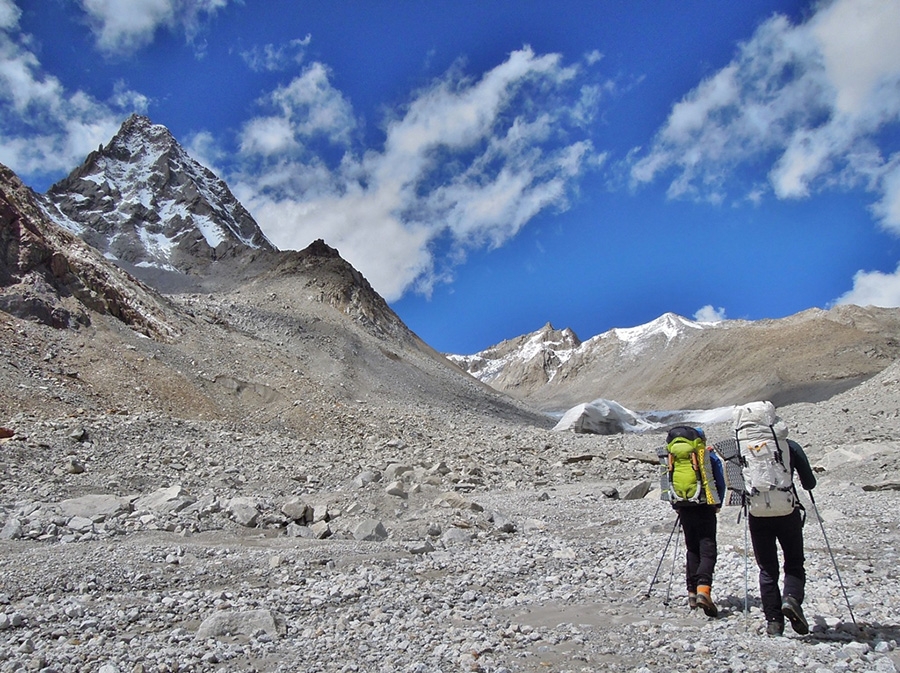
(541, 352)
(669, 325)
(548, 338)
(528, 363)
(143, 201)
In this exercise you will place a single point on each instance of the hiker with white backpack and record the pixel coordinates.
(775, 515)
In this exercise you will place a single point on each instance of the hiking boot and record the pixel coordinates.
(705, 603)
(692, 600)
(790, 608)
(774, 628)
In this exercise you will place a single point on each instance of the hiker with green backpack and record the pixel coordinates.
(696, 487)
(775, 515)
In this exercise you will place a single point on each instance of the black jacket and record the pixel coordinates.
(800, 464)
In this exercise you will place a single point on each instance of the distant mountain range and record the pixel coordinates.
(141, 225)
(676, 363)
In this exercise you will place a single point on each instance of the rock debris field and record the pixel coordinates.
(446, 543)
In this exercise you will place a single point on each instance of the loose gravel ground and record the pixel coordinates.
(507, 548)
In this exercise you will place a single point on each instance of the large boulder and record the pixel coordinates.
(602, 417)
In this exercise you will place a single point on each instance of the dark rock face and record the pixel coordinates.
(47, 274)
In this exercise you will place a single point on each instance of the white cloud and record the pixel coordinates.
(125, 26)
(306, 108)
(815, 99)
(888, 208)
(315, 107)
(710, 314)
(267, 136)
(272, 57)
(464, 164)
(124, 98)
(873, 288)
(9, 15)
(858, 41)
(593, 57)
(23, 84)
(689, 116)
(45, 129)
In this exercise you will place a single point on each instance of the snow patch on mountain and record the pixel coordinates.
(60, 219)
(669, 325)
(160, 247)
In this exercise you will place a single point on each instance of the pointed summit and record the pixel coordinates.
(524, 362)
(669, 325)
(147, 205)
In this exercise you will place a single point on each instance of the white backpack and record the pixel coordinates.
(765, 459)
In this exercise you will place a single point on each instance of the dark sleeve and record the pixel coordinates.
(800, 463)
(718, 475)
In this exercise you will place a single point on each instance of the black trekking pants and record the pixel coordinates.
(699, 525)
(787, 531)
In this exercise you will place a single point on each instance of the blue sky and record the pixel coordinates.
(493, 166)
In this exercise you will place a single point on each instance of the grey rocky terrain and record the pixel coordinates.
(476, 543)
(279, 476)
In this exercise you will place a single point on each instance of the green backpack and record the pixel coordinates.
(689, 468)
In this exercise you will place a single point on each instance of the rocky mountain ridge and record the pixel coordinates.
(676, 363)
(50, 275)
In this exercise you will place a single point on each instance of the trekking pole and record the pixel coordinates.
(831, 553)
(746, 564)
(672, 573)
(662, 556)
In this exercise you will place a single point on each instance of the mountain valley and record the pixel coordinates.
(220, 456)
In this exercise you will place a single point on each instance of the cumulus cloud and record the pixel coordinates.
(464, 164)
(814, 99)
(873, 288)
(45, 129)
(125, 26)
(710, 314)
(307, 108)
